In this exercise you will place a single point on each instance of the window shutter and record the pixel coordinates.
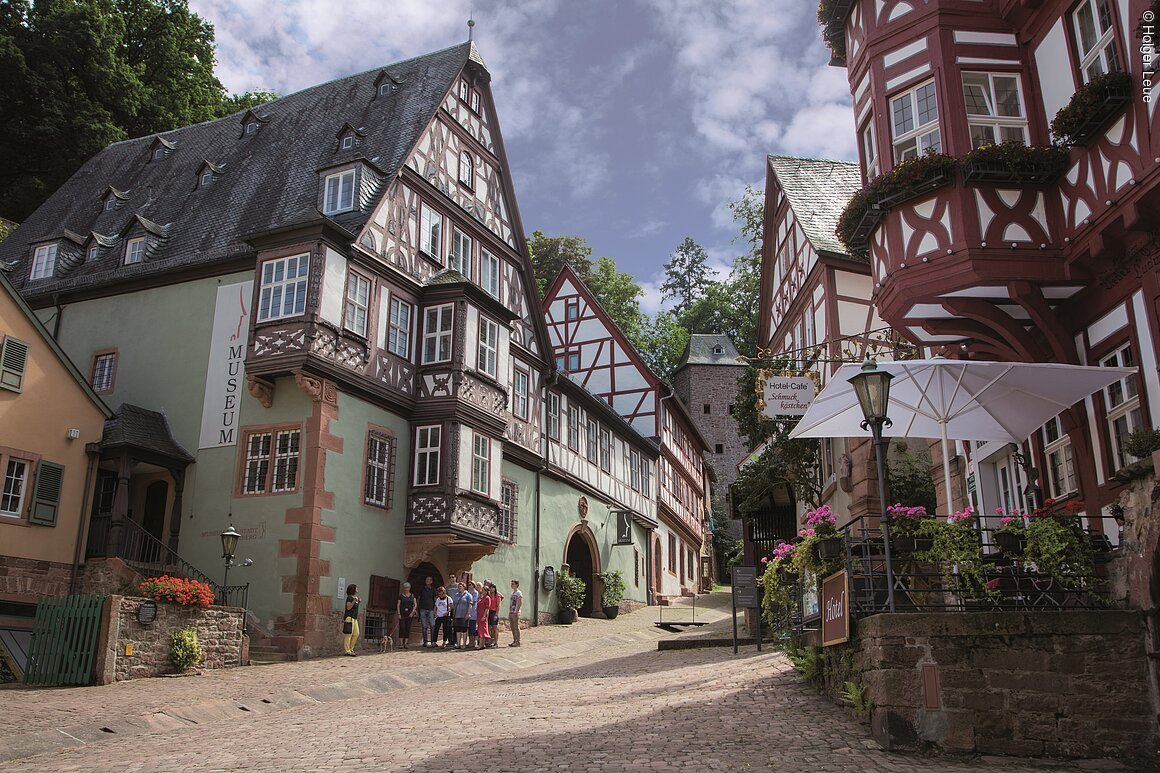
(13, 359)
(46, 494)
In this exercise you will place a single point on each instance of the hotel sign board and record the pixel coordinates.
(787, 395)
(835, 609)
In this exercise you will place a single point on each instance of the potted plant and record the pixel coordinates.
(1058, 545)
(904, 527)
(1092, 106)
(184, 649)
(571, 590)
(613, 593)
(1142, 443)
(1014, 162)
(777, 580)
(956, 551)
(820, 547)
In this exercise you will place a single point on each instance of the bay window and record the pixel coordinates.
(1095, 38)
(427, 441)
(1125, 415)
(914, 120)
(994, 108)
(488, 347)
(437, 334)
(431, 232)
(283, 288)
(358, 299)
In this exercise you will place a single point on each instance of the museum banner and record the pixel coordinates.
(224, 377)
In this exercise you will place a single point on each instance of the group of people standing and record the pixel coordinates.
(464, 613)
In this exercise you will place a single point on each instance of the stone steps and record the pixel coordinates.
(264, 654)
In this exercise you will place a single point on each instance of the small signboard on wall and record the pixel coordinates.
(835, 609)
(623, 528)
(787, 395)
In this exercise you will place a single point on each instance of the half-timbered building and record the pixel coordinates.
(1007, 254)
(589, 347)
(327, 299)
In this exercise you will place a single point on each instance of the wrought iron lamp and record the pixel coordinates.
(229, 546)
(872, 386)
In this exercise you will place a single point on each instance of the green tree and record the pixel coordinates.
(79, 75)
(550, 253)
(661, 342)
(619, 294)
(236, 103)
(686, 276)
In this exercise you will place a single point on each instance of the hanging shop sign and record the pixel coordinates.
(835, 609)
(787, 395)
(623, 528)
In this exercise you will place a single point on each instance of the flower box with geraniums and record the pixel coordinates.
(906, 180)
(1011, 536)
(178, 590)
(1014, 162)
(1059, 546)
(612, 594)
(905, 522)
(1091, 108)
(820, 549)
(832, 15)
(778, 577)
(958, 553)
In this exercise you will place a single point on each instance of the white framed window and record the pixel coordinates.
(104, 369)
(427, 441)
(573, 361)
(869, 150)
(159, 153)
(460, 258)
(358, 300)
(206, 178)
(437, 334)
(914, 120)
(645, 477)
(994, 108)
(271, 461)
(474, 101)
(488, 355)
(135, 250)
(489, 273)
(466, 169)
(43, 261)
(348, 142)
(590, 442)
(384, 88)
(480, 463)
(1095, 37)
(520, 379)
(399, 329)
(634, 470)
(339, 189)
(431, 232)
(464, 90)
(111, 203)
(571, 310)
(252, 127)
(379, 467)
(1123, 402)
(508, 509)
(15, 491)
(553, 416)
(283, 291)
(605, 450)
(573, 427)
(1060, 467)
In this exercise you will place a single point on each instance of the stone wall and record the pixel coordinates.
(31, 579)
(1062, 684)
(219, 632)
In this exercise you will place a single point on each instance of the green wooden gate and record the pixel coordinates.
(64, 640)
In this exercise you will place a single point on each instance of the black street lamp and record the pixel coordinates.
(229, 546)
(872, 386)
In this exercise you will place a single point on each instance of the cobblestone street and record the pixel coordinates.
(596, 696)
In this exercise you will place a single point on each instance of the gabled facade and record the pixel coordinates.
(589, 347)
(51, 422)
(995, 265)
(815, 305)
(342, 324)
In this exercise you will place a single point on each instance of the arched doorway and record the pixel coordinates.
(658, 565)
(419, 573)
(582, 558)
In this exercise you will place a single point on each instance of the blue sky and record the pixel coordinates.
(631, 123)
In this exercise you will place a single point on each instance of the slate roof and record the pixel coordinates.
(269, 178)
(144, 430)
(818, 190)
(701, 351)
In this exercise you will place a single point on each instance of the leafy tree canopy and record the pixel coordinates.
(550, 253)
(686, 276)
(82, 74)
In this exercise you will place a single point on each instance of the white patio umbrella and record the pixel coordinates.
(958, 400)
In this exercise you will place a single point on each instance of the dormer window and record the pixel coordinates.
(718, 349)
(339, 193)
(93, 252)
(252, 127)
(43, 261)
(464, 90)
(384, 88)
(159, 154)
(135, 250)
(111, 204)
(347, 142)
(206, 179)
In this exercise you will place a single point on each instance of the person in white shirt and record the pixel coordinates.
(514, 607)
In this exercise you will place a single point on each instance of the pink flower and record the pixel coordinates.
(1006, 521)
(807, 533)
